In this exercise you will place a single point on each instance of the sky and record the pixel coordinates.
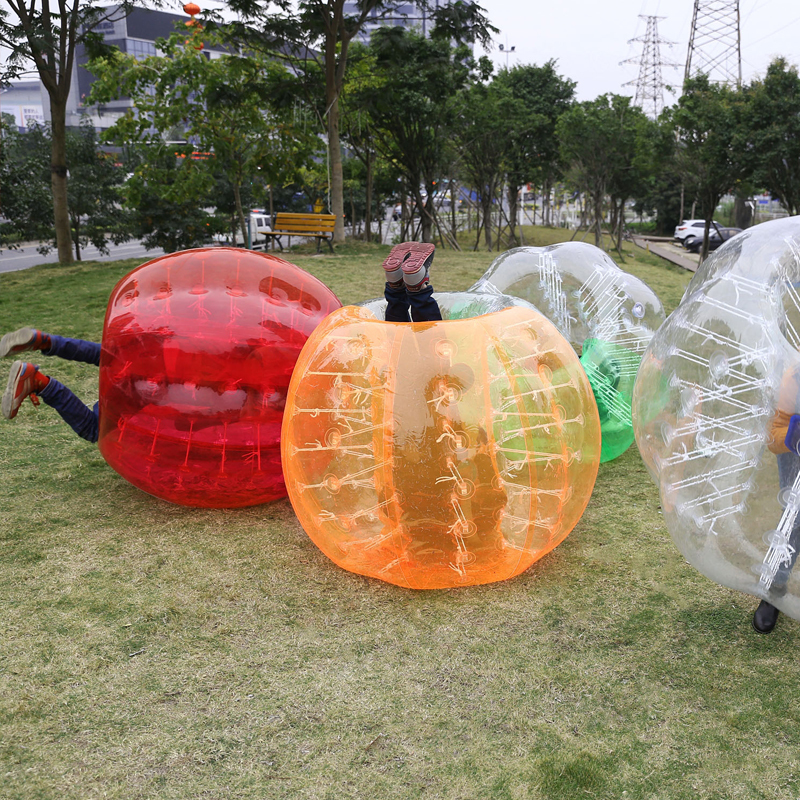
(589, 38)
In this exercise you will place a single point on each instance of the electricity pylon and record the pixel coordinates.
(650, 83)
(715, 45)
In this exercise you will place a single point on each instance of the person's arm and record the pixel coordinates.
(787, 406)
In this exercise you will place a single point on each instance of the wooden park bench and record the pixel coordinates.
(317, 226)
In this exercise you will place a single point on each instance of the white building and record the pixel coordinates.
(23, 101)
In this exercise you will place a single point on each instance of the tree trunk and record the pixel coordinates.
(368, 215)
(58, 180)
(704, 248)
(76, 228)
(237, 198)
(620, 229)
(598, 218)
(426, 217)
(513, 195)
(479, 224)
(546, 203)
(486, 205)
(337, 176)
(453, 210)
(742, 213)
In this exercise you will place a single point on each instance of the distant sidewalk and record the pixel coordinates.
(663, 247)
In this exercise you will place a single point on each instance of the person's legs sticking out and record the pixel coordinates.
(26, 339)
(26, 380)
(397, 304)
(407, 285)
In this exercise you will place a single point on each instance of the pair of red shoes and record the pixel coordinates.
(409, 263)
(25, 380)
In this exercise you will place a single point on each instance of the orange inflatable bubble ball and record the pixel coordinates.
(198, 350)
(439, 454)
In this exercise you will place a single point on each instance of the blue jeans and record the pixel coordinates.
(83, 420)
(788, 467)
(421, 304)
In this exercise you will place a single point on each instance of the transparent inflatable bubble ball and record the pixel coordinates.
(713, 408)
(608, 315)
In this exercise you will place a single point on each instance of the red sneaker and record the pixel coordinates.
(24, 381)
(410, 262)
(23, 339)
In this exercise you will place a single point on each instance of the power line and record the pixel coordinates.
(715, 45)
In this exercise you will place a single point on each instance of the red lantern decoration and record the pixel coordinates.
(192, 9)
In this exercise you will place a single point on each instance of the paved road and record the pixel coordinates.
(13, 260)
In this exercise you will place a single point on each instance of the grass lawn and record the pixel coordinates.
(154, 651)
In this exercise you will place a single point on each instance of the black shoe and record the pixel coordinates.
(765, 617)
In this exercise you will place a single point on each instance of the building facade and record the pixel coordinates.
(135, 35)
(404, 15)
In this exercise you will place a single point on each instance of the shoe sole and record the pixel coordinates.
(7, 404)
(763, 632)
(768, 628)
(17, 339)
(408, 256)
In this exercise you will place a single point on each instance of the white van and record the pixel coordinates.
(257, 221)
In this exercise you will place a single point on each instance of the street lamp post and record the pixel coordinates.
(504, 48)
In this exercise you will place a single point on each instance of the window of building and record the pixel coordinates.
(139, 49)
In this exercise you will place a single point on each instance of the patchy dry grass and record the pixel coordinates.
(153, 651)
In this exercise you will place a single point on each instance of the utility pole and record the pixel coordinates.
(715, 45)
(650, 83)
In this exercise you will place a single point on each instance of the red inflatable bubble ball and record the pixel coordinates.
(198, 350)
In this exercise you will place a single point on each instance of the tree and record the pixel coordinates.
(660, 189)
(25, 199)
(357, 123)
(482, 134)
(412, 104)
(771, 133)
(535, 98)
(320, 31)
(222, 104)
(94, 193)
(168, 193)
(636, 164)
(707, 122)
(38, 31)
(598, 141)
